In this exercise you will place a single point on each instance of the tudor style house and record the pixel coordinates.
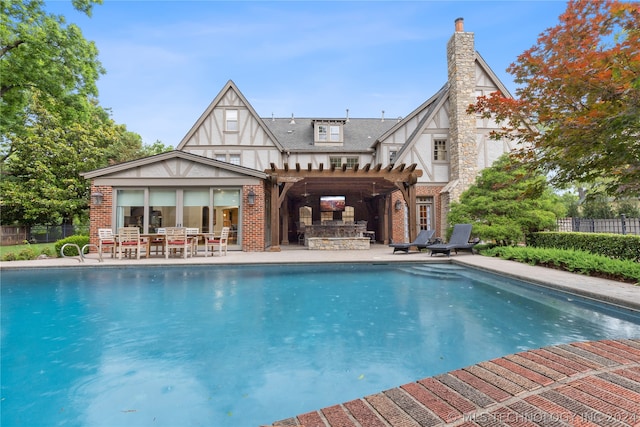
(268, 178)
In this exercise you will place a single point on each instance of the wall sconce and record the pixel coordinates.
(398, 205)
(96, 198)
(251, 197)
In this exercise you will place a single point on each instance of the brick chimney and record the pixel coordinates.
(461, 56)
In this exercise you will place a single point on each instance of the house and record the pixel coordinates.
(266, 177)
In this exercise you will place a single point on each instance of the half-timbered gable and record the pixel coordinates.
(230, 130)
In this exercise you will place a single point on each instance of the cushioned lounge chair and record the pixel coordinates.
(421, 242)
(459, 241)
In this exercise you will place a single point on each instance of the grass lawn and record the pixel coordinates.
(37, 248)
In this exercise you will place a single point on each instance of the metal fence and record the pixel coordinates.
(622, 225)
(16, 235)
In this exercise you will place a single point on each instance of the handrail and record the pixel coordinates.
(80, 251)
(80, 258)
(88, 245)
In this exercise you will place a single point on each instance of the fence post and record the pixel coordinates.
(623, 217)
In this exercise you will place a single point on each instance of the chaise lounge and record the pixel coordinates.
(421, 241)
(459, 241)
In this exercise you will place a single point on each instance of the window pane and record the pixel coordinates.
(232, 119)
(234, 159)
(130, 197)
(351, 162)
(221, 157)
(335, 161)
(196, 198)
(162, 197)
(162, 209)
(439, 149)
(130, 209)
(335, 133)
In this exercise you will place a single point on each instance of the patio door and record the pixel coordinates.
(207, 209)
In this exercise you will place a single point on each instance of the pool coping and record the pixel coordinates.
(583, 383)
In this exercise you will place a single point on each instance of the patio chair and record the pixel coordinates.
(421, 241)
(194, 238)
(106, 240)
(459, 241)
(129, 240)
(176, 239)
(212, 241)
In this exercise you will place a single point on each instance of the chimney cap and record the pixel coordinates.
(459, 25)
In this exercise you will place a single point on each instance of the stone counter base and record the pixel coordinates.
(338, 243)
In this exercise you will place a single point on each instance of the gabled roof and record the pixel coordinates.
(433, 104)
(358, 134)
(170, 155)
(229, 86)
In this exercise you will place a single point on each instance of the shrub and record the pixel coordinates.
(48, 252)
(71, 250)
(610, 245)
(9, 256)
(26, 254)
(572, 260)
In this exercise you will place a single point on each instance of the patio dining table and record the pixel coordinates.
(155, 238)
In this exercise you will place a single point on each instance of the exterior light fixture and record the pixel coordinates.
(398, 205)
(96, 198)
(251, 197)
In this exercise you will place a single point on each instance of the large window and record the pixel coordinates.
(130, 209)
(162, 209)
(204, 208)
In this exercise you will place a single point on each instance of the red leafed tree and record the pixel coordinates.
(577, 106)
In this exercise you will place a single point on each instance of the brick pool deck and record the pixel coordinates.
(579, 384)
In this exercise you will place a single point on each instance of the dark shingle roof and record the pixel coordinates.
(359, 134)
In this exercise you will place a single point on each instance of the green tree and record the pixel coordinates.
(41, 178)
(40, 52)
(156, 148)
(579, 94)
(507, 202)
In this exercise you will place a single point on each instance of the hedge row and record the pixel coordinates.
(571, 260)
(616, 246)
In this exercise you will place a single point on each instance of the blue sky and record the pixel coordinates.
(167, 60)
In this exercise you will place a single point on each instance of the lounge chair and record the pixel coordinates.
(421, 242)
(459, 241)
(212, 241)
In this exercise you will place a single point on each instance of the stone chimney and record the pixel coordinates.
(463, 160)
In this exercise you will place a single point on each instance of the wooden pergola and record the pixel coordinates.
(371, 183)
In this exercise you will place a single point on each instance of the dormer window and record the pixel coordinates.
(328, 131)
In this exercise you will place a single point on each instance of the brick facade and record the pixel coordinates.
(100, 215)
(253, 219)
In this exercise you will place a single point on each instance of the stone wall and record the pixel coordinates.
(461, 58)
(338, 243)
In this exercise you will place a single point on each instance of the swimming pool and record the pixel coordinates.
(249, 345)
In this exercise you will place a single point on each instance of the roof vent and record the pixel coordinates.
(293, 121)
(382, 119)
(347, 115)
(273, 117)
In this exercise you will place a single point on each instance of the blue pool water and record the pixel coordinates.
(250, 345)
